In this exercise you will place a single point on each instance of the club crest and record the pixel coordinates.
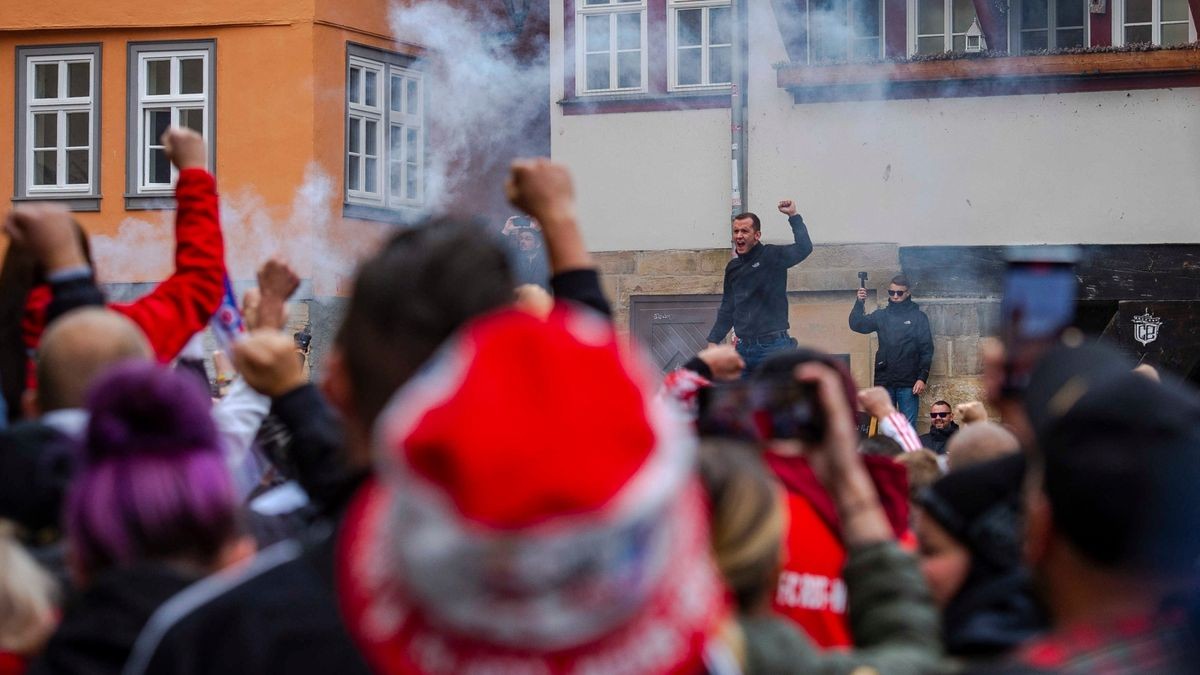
(1145, 327)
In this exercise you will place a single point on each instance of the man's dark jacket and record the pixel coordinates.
(905, 342)
(936, 439)
(754, 299)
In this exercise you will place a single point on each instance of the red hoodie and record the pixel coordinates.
(811, 591)
(180, 306)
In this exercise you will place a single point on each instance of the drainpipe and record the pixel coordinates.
(738, 110)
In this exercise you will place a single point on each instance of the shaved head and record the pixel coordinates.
(979, 442)
(79, 347)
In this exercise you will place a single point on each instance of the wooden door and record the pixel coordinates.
(672, 328)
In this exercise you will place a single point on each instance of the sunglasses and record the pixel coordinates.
(897, 293)
(933, 414)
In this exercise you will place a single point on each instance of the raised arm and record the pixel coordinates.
(792, 254)
(860, 321)
(181, 305)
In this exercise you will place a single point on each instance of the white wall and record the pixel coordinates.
(1110, 167)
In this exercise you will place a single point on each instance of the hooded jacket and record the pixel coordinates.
(905, 342)
(936, 439)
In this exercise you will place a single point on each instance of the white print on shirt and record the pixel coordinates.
(811, 591)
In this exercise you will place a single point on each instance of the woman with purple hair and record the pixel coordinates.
(151, 509)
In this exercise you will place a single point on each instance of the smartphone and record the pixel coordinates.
(1040, 295)
(522, 221)
(761, 411)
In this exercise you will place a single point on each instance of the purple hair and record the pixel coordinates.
(151, 481)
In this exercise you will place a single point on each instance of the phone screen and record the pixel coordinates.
(1039, 304)
(760, 411)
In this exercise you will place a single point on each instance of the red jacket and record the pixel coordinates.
(811, 591)
(180, 306)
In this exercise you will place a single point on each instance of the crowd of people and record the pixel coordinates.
(490, 481)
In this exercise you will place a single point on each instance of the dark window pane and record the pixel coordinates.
(1139, 11)
(353, 86)
(371, 136)
(597, 33)
(1033, 13)
(960, 43)
(629, 70)
(160, 119)
(866, 49)
(687, 27)
(77, 167)
(414, 98)
(396, 179)
(371, 95)
(931, 45)
(77, 129)
(864, 16)
(1174, 34)
(1136, 34)
(629, 31)
(45, 130)
(414, 145)
(1174, 10)
(688, 68)
(1072, 37)
(597, 71)
(719, 67)
(1032, 41)
(45, 80)
(395, 141)
(158, 77)
(192, 118)
(1069, 13)
(79, 79)
(45, 167)
(355, 141)
(964, 14)
(160, 168)
(720, 26)
(352, 174)
(396, 95)
(931, 18)
(370, 175)
(191, 76)
(412, 179)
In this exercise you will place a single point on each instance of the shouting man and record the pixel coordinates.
(905, 345)
(754, 302)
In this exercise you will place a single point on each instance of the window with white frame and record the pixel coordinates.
(841, 30)
(1160, 22)
(385, 130)
(701, 43)
(57, 126)
(611, 46)
(171, 84)
(941, 25)
(1049, 24)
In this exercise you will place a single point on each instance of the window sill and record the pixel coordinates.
(624, 103)
(74, 202)
(155, 202)
(381, 214)
(994, 76)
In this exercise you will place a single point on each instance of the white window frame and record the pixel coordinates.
(1118, 19)
(1052, 28)
(882, 37)
(78, 196)
(612, 8)
(948, 33)
(706, 7)
(411, 117)
(141, 193)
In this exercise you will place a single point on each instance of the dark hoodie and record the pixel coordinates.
(936, 439)
(905, 342)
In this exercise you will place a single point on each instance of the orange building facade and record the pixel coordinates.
(317, 120)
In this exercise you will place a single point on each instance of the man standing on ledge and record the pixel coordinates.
(905, 345)
(754, 302)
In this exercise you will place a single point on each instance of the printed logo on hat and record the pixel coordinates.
(1145, 327)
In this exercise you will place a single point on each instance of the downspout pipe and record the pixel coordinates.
(738, 105)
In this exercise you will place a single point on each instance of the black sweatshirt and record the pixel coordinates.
(755, 294)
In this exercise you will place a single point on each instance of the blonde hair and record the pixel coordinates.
(923, 470)
(27, 599)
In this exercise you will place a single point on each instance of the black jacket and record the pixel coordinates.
(754, 299)
(936, 439)
(905, 342)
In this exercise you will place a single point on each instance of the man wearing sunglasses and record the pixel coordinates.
(905, 345)
(941, 427)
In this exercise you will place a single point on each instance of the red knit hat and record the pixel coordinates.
(534, 510)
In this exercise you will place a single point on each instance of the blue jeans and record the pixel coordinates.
(906, 402)
(758, 352)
